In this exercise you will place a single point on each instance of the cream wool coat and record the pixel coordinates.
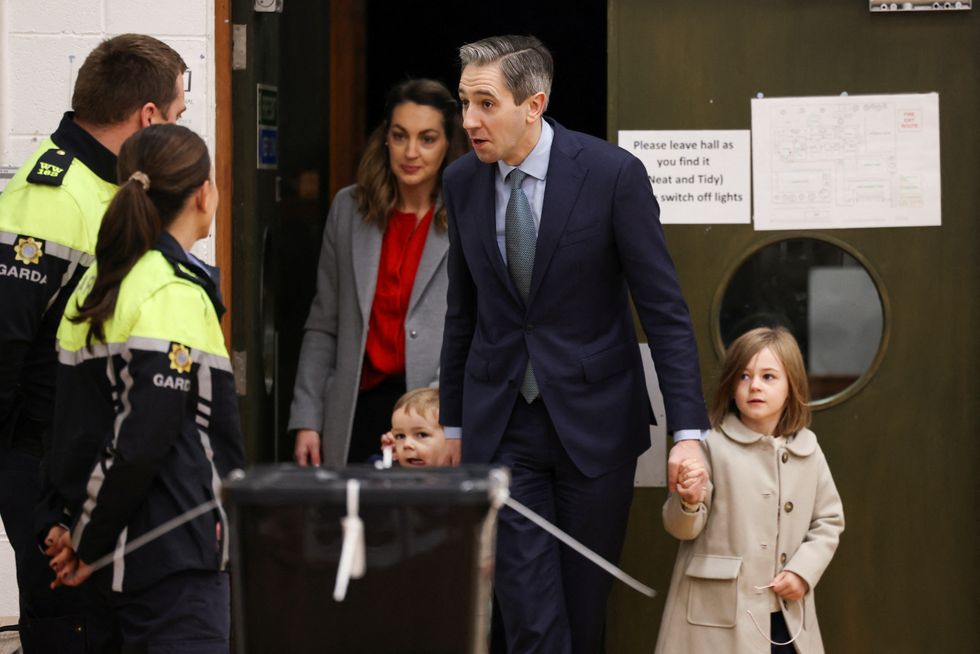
(332, 353)
(769, 509)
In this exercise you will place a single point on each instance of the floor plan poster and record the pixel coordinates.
(849, 161)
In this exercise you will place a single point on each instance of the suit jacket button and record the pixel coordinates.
(528, 328)
(413, 334)
(788, 507)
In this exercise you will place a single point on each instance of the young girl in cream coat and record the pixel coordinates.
(757, 538)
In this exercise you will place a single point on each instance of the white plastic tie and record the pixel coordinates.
(352, 552)
(577, 546)
(155, 533)
(387, 458)
(352, 563)
(798, 631)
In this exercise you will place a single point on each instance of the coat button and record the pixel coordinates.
(413, 334)
(785, 457)
(782, 558)
(788, 507)
(529, 328)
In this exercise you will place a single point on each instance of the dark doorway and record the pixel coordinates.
(401, 39)
(420, 39)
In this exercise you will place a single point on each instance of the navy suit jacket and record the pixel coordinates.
(599, 241)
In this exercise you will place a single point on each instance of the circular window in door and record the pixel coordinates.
(826, 294)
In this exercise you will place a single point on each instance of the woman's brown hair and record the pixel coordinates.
(796, 413)
(159, 168)
(377, 189)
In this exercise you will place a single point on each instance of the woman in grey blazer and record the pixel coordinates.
(375, 325)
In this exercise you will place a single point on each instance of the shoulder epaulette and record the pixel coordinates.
(51, 167)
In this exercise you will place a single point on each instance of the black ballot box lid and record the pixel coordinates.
(457, 486)
(429, 555)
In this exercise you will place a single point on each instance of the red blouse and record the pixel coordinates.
(401, 250)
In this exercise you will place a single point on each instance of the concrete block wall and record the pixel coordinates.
(42, 44)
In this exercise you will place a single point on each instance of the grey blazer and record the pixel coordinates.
(336, 330)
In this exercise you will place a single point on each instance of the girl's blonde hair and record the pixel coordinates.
(796, 412)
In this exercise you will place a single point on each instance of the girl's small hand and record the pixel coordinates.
(692, 481)
(789, 585)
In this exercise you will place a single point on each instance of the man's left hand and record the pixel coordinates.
(454, 451)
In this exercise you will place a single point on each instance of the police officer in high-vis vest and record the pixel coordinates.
(50, 214)
(142, 360)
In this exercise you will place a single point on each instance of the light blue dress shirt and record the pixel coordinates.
(536, 166)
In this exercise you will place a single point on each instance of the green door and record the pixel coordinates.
(904, 447)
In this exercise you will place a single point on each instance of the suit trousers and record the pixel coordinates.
(551, 599)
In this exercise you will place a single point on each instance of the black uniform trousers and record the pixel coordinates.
(64, 620)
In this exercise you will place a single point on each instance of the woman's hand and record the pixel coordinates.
(64, 561)
(56, 539)
(307, 450)
(73, 574)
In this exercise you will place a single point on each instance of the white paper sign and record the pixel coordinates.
(848, 161)
(698, 176)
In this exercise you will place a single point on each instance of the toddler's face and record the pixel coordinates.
(419, 440)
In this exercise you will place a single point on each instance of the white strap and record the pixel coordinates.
(577, 546)
(798, 631)
(155, 533)
(352, 554)
(386, 458)
(352, 564)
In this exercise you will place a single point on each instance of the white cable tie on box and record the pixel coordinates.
(579, 547)
(387, 458)
(352, 554)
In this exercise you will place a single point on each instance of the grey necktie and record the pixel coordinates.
(520, 237)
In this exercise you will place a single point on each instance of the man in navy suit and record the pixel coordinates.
(550, 233)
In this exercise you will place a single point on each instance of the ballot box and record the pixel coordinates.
(428, 541)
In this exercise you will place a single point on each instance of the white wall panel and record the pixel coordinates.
(42, 44)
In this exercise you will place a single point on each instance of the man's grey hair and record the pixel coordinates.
(524, 62)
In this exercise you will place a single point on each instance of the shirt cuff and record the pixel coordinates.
(452, 433)
(690, 435)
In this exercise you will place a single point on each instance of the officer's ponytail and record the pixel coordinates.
(159, 169)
